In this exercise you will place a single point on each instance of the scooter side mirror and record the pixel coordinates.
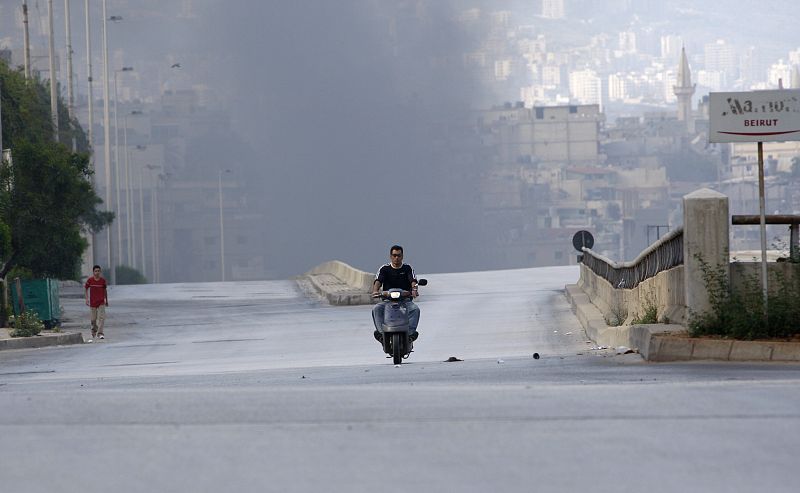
(422, 282)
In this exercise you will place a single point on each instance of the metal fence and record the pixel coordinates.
(664, 254)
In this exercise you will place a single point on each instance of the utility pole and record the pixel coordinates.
(89, 81)
(107, 140)
(26, 47)
(91, 251)
(70, 92)
(53, 80)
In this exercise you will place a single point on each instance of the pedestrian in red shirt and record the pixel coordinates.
(96, 293)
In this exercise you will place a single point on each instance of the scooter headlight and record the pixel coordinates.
(395, 295)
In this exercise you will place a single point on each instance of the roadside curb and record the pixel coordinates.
(671, 348)
(592, 320)
(44, 340)
(662, 342)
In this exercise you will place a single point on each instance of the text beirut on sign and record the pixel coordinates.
(755, 116)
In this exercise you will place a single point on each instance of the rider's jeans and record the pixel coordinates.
(413, 314)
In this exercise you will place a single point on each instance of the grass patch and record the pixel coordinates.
(740, 314)
(27, 324)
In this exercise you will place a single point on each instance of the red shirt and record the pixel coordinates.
(97, 291)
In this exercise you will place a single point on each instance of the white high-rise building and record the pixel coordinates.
(502, 69)
(671, 46)
(627, 42)
(553, 9)
(617, 90)
(551, 75)
(585, 87)
(711, 79)
(722, 57)
(794, 57)
(780, 71)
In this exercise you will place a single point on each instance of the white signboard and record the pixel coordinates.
(754, 116)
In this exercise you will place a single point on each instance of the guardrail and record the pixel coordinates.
(664, 254)
(792, 220)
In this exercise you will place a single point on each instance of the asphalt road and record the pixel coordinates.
(257, 387)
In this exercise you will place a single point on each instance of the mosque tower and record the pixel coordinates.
(684, 89)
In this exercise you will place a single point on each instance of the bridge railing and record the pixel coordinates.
(662, 255)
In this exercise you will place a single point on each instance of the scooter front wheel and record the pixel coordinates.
(397, 348)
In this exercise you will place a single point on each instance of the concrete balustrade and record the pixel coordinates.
(678, 293)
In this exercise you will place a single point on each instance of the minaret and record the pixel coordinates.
(684, 89)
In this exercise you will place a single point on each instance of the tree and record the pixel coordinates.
(46, 194)
(47, 202)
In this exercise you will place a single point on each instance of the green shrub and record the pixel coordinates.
(740, 314)
(27, 324)
(649, 316)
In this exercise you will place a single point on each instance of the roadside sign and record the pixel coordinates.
(582, 239)
(754, 116)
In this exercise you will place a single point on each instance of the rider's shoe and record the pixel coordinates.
(414, 336)
(378, 336)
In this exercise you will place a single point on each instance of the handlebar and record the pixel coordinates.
(387, 295)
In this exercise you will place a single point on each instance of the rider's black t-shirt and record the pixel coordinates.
(389, 277)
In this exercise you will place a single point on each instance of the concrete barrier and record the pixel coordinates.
(665, 291)
(341, 284)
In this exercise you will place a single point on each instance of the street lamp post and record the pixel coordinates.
(149, 167)
(116, 162)
(89, 81)
(106, 140)
(53, 79)
(70, 91)
(221, 226)
(128, 191)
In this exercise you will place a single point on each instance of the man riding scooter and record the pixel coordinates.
(395, 275)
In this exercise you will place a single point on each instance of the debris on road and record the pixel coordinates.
(500, 362)
(535, 355)
(598, 348)
(452, 359)
(625, 350)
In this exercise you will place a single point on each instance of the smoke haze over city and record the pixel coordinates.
(336, 129)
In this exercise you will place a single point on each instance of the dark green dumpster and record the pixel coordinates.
(41, 296)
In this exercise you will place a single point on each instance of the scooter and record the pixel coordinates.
(397, 341)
